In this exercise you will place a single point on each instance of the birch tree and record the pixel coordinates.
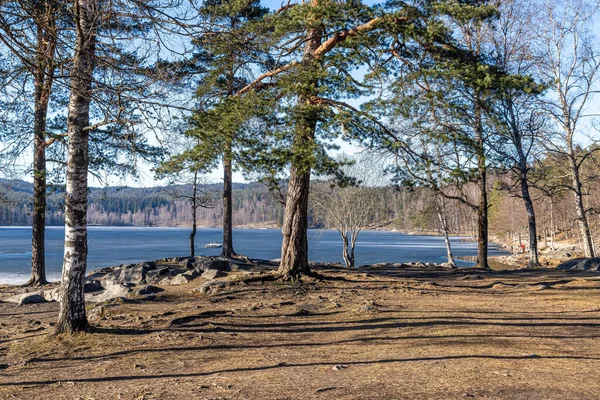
(569, 59)
(518, 111)
(72, 316)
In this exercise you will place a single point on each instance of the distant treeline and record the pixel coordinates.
(113, 206)
(253, 205)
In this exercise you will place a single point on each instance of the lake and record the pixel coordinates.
(120, 245)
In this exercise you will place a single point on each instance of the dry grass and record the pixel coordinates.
(392, 333)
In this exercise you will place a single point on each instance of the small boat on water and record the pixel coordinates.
(213, 246)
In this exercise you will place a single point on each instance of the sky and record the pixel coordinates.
(146, 176)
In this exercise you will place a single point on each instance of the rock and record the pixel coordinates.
(92, 286)
(581, 264)
(148, 289)
(180, 280)
(52, 295)
(165, 281)
(447, 265)
(210, 287)
(191, 274)
(112, 290)
(128, 273)
(27, 298)
(204, 264)
(187, 263)
(97, 313)
(338, 367)
(213, 274)
(156, 275)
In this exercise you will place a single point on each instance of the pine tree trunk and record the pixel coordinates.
(194, 200)
(227, 203)
(72, 316)
(43, 80)
(294, 246)
(482, 209)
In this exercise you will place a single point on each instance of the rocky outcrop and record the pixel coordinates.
(581, 264)
(126, 280)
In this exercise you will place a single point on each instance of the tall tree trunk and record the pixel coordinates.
(227, 202)
(43, 80)
(533, 241)
(72, 316)
(584, 228)
(294, 246)
(482, 208)
(194, 201)
(524, 183)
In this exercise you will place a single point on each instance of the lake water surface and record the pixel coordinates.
(119, 245)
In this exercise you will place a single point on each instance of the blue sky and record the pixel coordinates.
(147, 178)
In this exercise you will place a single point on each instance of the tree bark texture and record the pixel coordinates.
(227, 202)
(482, 208)
(294, 246)
(72, 316)
(43, 80)
(533, 241)
(584, 228)
(194, 201)
(348, 251)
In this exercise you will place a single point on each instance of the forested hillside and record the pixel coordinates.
(253, 205)
(113, 206)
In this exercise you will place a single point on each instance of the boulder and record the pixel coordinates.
(204, 264)
(52, 295)
(148, 289)
(213, 274)
(180, 280)
(211, 287)
(187, 263)
(128, 273)
(27, 298)
(581, 264)
(165, 281)
(112, 290)
(191, 274)
(92, 286)
(156, 275)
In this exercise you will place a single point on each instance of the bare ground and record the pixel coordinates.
(378, 333)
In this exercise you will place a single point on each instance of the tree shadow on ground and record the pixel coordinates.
(532, 358)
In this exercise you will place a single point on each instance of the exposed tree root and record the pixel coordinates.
(35, 283)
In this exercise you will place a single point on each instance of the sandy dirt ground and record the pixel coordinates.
(377, 333)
